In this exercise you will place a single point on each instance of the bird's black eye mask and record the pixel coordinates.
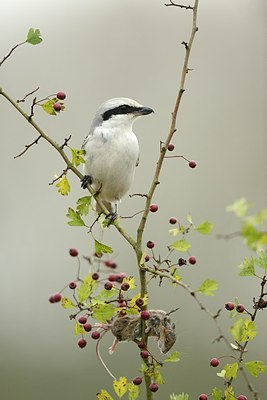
(123, 109)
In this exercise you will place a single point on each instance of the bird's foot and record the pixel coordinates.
(111, 217)
(86, 180)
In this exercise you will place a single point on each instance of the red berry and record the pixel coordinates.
(142, 345)
(192, 164)
(73, 252)
(112, 277)
(57, 107)
(87, 327)
(95, 335)
(95, 276)
(171, 147)
(82, 343)
(57, 297)
(240, 308)
(123, 313)
(72, 285)
(61, 95)
(144, 354)
(172, 220)
(214, 362)
(120, 277)
(153, 208)
(229, 306)
(51, 299)
(145, 314)
(122, 304)
(108, 286)
(83, 320)
(154, 387)
(150, 244)
(242, 397)
(110, 264)
(147, 258)
(137, 381)
(125, 286)
(139, 302)
(203, 397)
(192, 260)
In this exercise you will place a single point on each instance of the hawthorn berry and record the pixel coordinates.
(82, 343)
(138, 380)
(242, 397)
(229, 306)
(139, 302)
(214, 362)
(95, 276)
(112, 277)
(147, 258)
(144, 354)
(57, 297)
(123, 313)
(72, 285)
(192, 260)
(95, 335)
(83, 320)
(125, 286)
(120, 277)
(87, 327)
(61, 95)
(150, 244)
(171, 147)
(142, 345)
(240, 308)
(172, 220)
(57, 107)
(192, 164)
(203, 397)
(51, 299)
(73, 252)
(110, 264)
(154, 387)
(153, 208)
(145, 314)
(122, 304)
(108, 286)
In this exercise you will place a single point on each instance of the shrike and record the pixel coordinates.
(112, 150)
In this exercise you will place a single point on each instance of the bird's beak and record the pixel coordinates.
(144, 111)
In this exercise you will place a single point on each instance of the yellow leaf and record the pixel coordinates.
(120, 386)
(63, 186)
(104, 395)
(67, 303)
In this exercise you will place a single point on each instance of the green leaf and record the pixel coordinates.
(221, 374)
(103, 312)
(208, 287)
(120, 386)
(182, 396)
(216, 394)
(33, 36)
(239, 207)
(79, 329)
(106, 295)
(48, 106)
(134, 391)
(86, 288)
(104, 395)
(261, 261)
(83, 205)
(174, 357)
(75, 218)
(205, 228)
(77, 157)
(255, 368)
(67, 303)
(254, 238)
(181, 245)
(101, 248)
(243, 330)
(229, 394)
(247, 267)
(189, 219)
(231, 370)
(258, 219)
(63, 186)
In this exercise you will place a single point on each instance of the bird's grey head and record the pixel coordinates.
(119, 111)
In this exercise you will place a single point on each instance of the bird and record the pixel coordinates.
(112, 151)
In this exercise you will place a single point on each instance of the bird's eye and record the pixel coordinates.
(123, 107)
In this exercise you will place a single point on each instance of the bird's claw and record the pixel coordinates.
(86, 180)
(111, 217)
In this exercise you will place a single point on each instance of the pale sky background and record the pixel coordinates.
(95, 50)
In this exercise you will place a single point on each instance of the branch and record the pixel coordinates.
(178, 5)
(11, 51)
(26, 95)
(27, 146)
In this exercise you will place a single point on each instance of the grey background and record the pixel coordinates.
(94, 51)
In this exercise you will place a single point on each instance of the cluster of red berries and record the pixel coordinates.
(191, 163)
(231, 306)
(58, 106)
(205, 397)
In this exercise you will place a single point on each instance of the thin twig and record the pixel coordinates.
(59, 177)
(66, 140)
(11, 51)
(27, 146)
(26, 95)
(178, 5)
